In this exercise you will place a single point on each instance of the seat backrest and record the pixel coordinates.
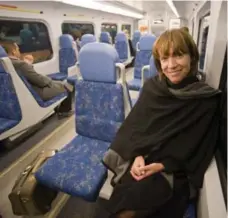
(9, 104)
(67, 55)
(136, 38)
(87, 38)
(105, 37)
(144, 53)
(100, 108)
(121, 45)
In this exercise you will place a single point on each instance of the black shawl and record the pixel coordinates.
(172, 124)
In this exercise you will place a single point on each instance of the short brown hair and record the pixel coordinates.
(181, 42)
(9, 46)
(76, 34)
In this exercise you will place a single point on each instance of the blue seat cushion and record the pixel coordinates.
(72, 79)
(58, 76)
(39, 99)
(7, 124)
(134, 84)
(76, 169)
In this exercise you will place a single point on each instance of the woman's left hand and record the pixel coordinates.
(151, 169)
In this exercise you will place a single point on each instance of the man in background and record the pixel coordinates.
(45, 87)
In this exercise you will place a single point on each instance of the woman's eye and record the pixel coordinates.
(179, 56)
(164, 59)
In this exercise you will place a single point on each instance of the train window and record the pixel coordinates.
(77, 30)
(111, 28)
(31, 37)
(202, 39)
(126, 27)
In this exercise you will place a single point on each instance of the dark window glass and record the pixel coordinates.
(31, 37)
(77, 30)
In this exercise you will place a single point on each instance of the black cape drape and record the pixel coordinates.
(174, 126)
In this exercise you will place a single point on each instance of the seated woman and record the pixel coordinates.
(166, 143)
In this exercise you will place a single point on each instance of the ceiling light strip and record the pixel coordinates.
(90, 4)
(172, 6)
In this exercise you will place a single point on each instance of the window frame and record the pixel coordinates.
(30, 20)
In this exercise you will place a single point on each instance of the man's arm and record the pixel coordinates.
(32, 76)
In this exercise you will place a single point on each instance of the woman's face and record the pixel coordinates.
(175, 67)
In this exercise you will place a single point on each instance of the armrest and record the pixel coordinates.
(137, 46)
(121, 74)
(73, 70)
(146, 67)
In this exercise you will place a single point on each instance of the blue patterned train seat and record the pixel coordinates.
(67, 57)
(148, 71)
(121, 45)
(10, 111)
(136, 38)
(105, 37)
(143, 56)
(99, 109)
(87, 38)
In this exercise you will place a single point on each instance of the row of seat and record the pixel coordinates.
(17, 97)
(13, 123)
(144, 64)
(101, 104)
(143, 55)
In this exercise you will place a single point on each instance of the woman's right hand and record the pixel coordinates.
(136, 173)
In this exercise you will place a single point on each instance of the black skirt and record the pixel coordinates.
(152, 197)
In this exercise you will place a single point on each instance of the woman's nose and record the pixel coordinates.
(172, 62)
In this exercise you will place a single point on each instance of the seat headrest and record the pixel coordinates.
(87, 38)
(137, 34)
(66, 41)
(120, 37)
(104, 37)
(146, 42)
(97, 62)
(3, 52)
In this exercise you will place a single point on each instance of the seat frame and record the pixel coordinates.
(32, 112)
